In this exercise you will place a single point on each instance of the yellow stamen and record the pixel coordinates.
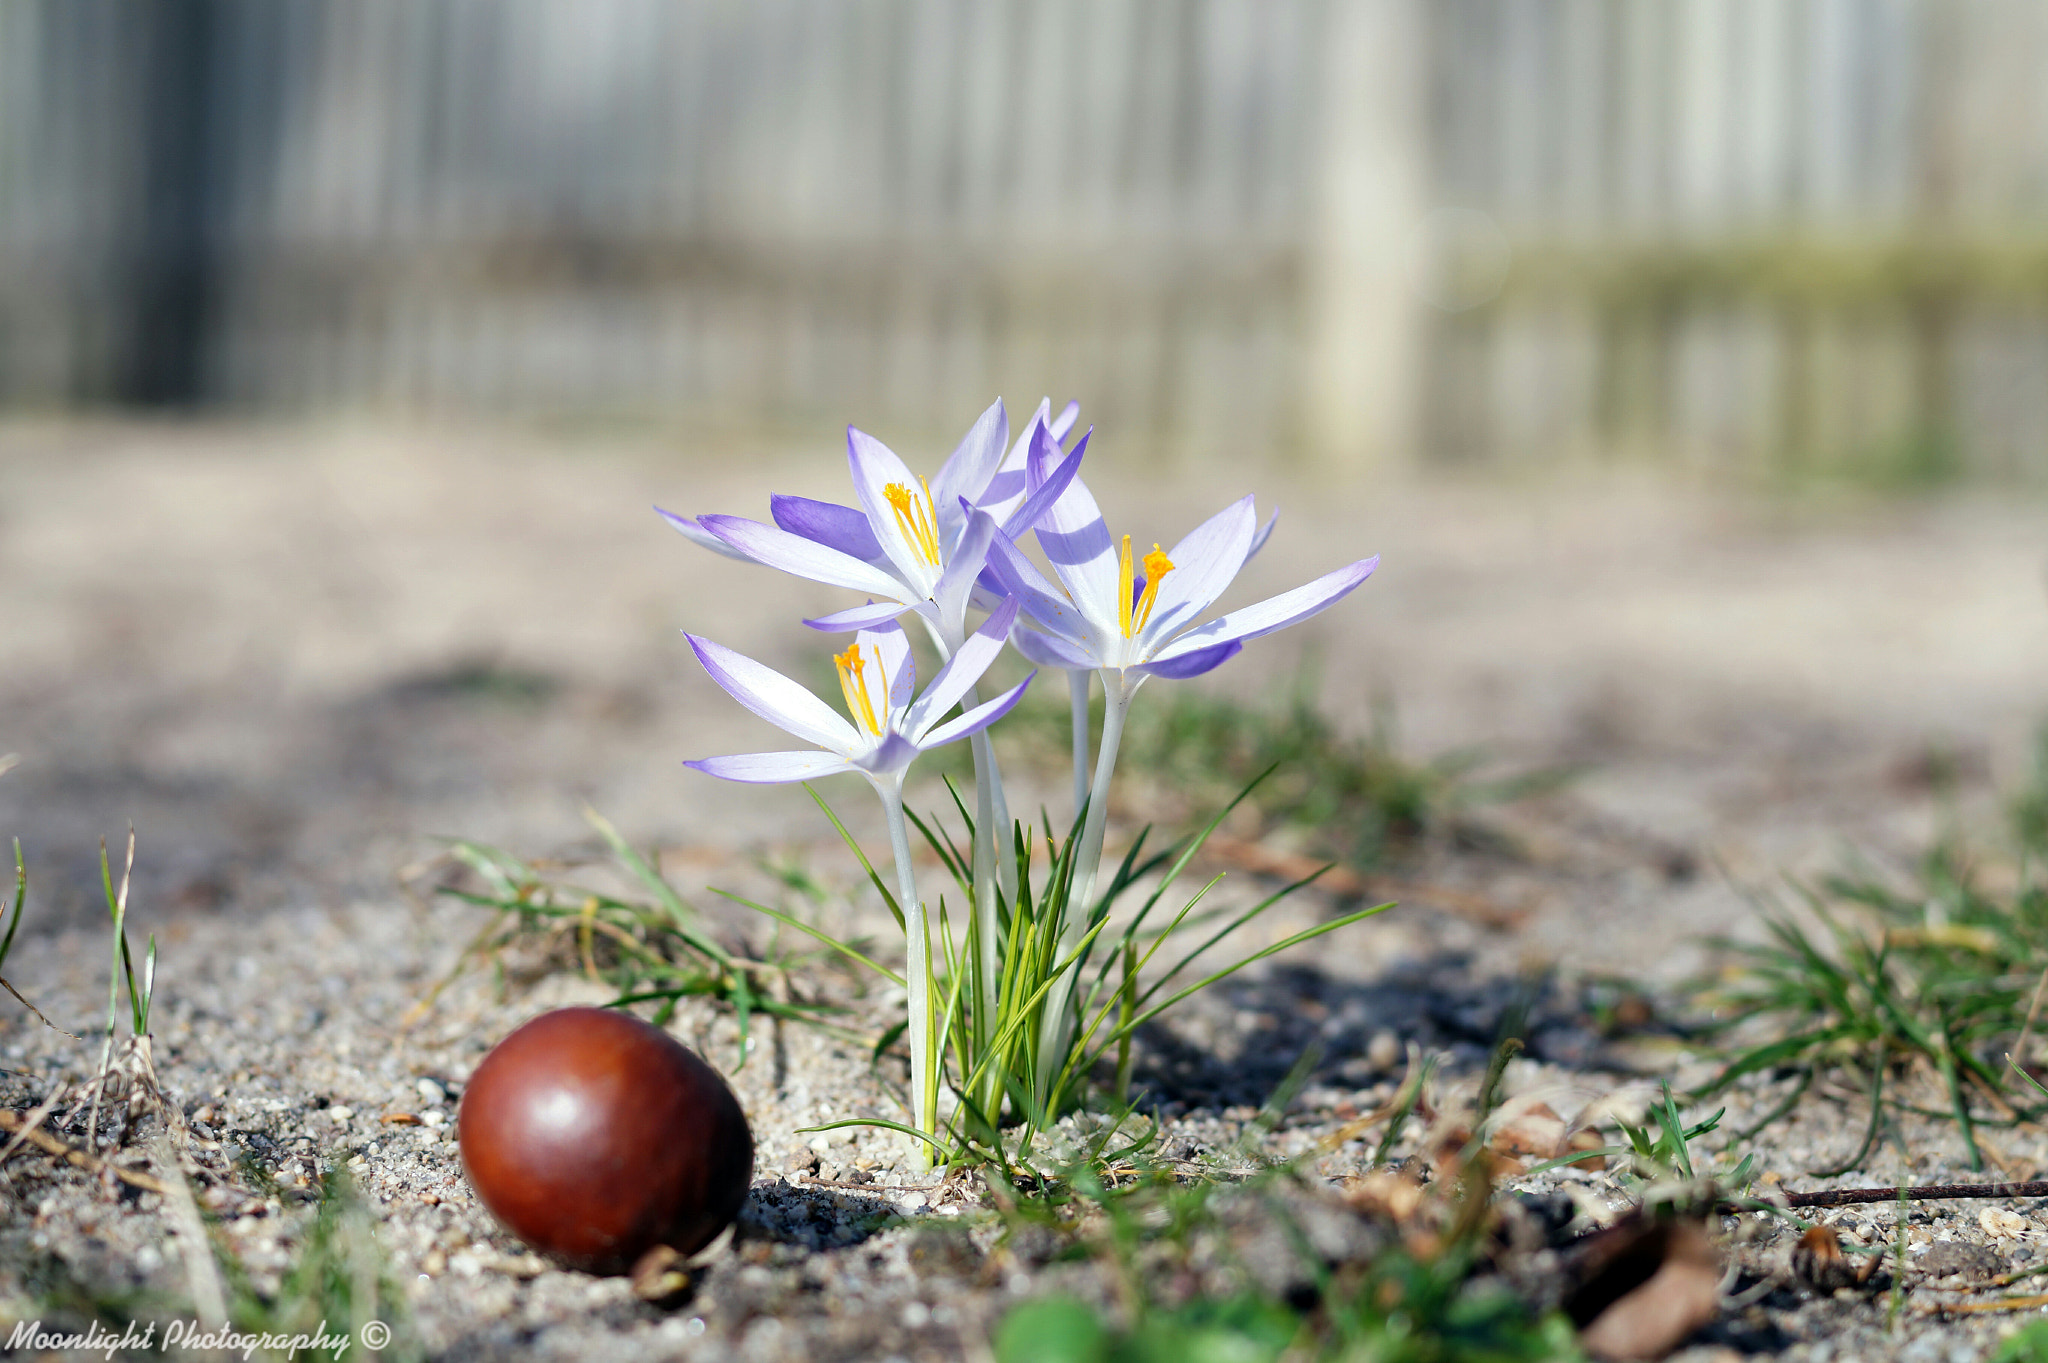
(914, 516)
(854, 684)
(1157, 566)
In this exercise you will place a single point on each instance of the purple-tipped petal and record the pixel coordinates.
(1018, 576)
(690, 530)
(1274, 613)
(774, 697)
(1050, 650)
(858, 617)
(875, 469)
(967, 472)
(804, 558)
(1265, 533)
(1064, 422)
(827, 523)
(962, 670)
(767, 768)
(1032, 509)
(1204, 563)
(1193, 663)
(977, 719)
(1076, 539)
(970, 556)
(1011, 480)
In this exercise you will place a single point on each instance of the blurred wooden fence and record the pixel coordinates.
(1759, 234)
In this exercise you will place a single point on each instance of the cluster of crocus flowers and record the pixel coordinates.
(939, 548)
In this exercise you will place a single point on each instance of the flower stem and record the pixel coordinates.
(987, 859)
(924, 1078)
(1115, 704)
(1056, 1024)
(1077, 685)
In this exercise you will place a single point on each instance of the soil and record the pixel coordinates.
(295, 657)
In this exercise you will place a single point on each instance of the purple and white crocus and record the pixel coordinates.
(912, 544)
(918, 545)
(888, 725)
(1130, 621)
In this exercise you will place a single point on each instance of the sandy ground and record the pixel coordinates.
(292, 656)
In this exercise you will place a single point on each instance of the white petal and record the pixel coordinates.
(775, 697)
(956, 583)
(858, 617)
(889, 649)
(894, 753)
(1204, 562)
(1275, 612)
(769, 767)
(972, 464)
(962, 670)
(979, 718)
(1050, 650)
(1045, 603)
(797, 555)
(875, 468)
(688, 528)
(1076, 540)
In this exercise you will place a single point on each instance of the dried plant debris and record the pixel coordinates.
(1641, 1286)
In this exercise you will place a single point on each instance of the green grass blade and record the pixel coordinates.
(827, 938)
(874, 878)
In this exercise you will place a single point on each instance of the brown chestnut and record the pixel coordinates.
(595, 1137)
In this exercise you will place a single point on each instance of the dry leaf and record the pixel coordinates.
(1540, 1134)
(1642, 1288)
(659, 1275)
(1384, 1194)
(1818, 1261)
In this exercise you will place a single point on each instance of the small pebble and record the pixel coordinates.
(2001, 1224)
(1955, 1257)
(1384, 1050)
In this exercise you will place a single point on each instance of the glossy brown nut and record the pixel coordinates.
(594, 1137)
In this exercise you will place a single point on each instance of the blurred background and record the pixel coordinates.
(1684, 360)
(1777, 236)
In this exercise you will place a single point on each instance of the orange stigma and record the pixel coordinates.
(1157, 566)
(914, 516)
(854, 683)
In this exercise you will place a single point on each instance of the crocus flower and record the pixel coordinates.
(888, 727)
(1132, 617)
(911, 545)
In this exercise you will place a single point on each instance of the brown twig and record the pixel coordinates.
(19, 1126)
(1933, 1192)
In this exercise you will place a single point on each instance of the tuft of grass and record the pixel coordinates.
(340, 1281)
(1036, 1054)
(1912, 994)
(1664, 1170)
(653, 950)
